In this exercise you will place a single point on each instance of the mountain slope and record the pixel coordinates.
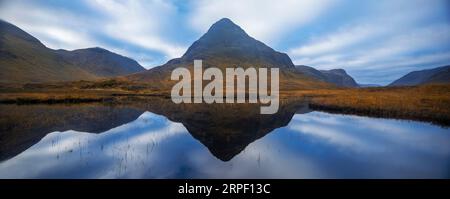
(339, 77)
(435, 75)
(226, 45)
(24, 59)
(101, 62)
(226, 39)
(335, 76)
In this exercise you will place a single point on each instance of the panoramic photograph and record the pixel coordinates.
(304, 89)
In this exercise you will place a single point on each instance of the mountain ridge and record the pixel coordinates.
(101, 62)
(337, 77)
(434, 75)
(24, 59)
(225, 37)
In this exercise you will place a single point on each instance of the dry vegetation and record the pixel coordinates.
(54, 95)
(426, 103)
(72, 92)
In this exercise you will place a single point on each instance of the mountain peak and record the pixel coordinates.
(223, 33)
(97, 49)
(227, 41)
(224, 21)
(226, 45)
(227, 25)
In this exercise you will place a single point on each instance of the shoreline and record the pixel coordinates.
(429, 103)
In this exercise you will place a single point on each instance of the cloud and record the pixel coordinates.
(397, 50)
(384, 41)
(64, 31)
(133, 28)
(388, 48)
(263, 19)
(375, 41)
(344, 38)
(139, 22)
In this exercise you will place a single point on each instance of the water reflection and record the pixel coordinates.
(159, 140)
(23, 126)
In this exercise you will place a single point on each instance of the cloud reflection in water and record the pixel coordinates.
(313, 145)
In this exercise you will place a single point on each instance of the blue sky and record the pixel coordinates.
(376, 41)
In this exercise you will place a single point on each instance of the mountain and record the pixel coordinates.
(226, 45)
(335, 76)
(226, 39)
(339, 77)
(435, 75)
(101, 62)
(24, 59)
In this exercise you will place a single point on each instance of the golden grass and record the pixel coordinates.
(52, 96)
(427, 103)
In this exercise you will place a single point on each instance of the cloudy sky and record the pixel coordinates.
(376, 41)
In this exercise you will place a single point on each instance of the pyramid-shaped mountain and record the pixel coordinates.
(226, 39)
(227, 45)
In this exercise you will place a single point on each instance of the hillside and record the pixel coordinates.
(335, 76)
(101, 62)
(24, 59)
(435, 75)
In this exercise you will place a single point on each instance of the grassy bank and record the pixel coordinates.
(424, 103)
(52, 96)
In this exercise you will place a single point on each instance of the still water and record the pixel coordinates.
(167, 143)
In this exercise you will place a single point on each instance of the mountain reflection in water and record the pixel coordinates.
(158, 139)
